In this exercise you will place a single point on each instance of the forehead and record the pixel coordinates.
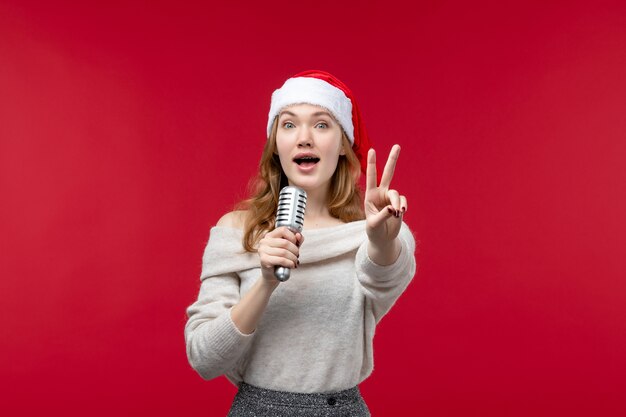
(304, 110)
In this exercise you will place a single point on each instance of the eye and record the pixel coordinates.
(323, 124)
(287, 125)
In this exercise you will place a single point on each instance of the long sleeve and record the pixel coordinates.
(382, 285)
(214, 344)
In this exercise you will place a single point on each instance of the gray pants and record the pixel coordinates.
(252, 401)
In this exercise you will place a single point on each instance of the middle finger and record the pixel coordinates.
(280, 243)
(390, 166)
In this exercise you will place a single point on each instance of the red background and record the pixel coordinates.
(127, 130)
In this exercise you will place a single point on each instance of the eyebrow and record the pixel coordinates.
(319, 113)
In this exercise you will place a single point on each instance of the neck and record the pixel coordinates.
(316, 213)
(316, 207)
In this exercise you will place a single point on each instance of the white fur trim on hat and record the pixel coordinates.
(313, 91)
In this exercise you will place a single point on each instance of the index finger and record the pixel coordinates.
(285, 233)
(370, 174)
(390, 166)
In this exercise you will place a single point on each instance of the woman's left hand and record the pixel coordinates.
(384, 207)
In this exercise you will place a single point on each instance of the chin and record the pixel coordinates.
(302, 184)
(308, 184)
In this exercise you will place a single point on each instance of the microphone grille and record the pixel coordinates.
(291, 207)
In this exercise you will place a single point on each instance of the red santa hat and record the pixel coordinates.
(323, 89)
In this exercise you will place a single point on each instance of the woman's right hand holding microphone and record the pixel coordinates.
(280, 247)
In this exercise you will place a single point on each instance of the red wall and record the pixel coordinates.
(127, 130)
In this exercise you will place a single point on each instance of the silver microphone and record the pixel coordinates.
(290, 213)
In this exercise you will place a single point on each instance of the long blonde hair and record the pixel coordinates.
(344, 200)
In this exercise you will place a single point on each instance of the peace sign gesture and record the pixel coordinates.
(384, 207)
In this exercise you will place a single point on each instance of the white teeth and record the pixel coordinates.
(306, 159)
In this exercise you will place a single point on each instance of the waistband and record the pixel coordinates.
(272, 397)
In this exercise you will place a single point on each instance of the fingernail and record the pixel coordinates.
(389, 210)
(403, 209)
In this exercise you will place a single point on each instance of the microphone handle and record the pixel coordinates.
(281, 273)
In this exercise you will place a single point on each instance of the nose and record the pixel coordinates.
(305, 138)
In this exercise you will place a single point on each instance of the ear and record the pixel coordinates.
(342, 151)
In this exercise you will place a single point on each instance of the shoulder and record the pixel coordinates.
(234, 219)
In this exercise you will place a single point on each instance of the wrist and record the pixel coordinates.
(384, 253)
(268, 283)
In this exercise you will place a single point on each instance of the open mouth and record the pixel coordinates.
(306, 161)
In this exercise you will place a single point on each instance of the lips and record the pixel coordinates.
(306, 160)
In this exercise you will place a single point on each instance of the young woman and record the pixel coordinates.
(301, 347)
